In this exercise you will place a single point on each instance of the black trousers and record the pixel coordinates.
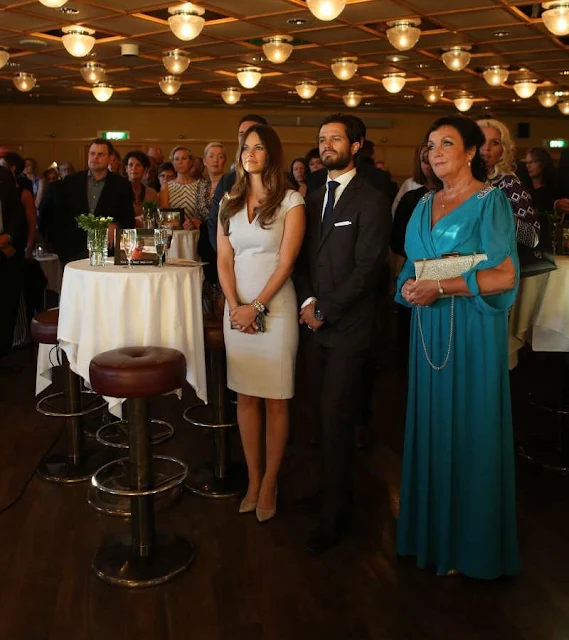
(10, 288)
(336, 375)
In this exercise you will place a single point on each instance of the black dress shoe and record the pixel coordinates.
(324, 538)
(308, 506)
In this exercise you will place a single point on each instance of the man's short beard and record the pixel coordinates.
(338, 163)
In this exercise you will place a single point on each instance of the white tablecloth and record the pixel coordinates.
(540, 315)
(109, 307)
(184, 244)
(551, 325)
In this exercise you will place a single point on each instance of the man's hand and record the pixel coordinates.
(307, 317)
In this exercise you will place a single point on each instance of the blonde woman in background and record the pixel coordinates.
(498, 153)
(177, 194)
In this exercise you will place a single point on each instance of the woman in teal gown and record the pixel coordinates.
(457, 504)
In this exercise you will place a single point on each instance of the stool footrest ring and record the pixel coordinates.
(167, 482)
(57, 412)
(115, 434)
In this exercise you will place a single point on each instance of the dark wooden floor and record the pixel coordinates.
(256, 582)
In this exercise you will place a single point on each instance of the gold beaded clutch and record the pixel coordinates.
(447, 266)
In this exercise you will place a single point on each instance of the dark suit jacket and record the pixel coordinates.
(225, 184)
(64, 200)
(343, 267)
(378, 179)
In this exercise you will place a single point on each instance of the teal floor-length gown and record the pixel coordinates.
(457, 504)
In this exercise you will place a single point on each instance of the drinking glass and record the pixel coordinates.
(160, 241)
(128, 237)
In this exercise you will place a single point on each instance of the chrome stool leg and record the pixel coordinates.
(222, 478)
(77, 464)
(143, 558)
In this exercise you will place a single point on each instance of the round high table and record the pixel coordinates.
(108, 307)
(184, 244)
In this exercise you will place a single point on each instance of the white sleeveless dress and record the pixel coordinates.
(262, 364)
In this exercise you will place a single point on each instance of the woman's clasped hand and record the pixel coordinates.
(243, 318)
(420, 292)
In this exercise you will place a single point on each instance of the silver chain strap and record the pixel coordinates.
(451, 334)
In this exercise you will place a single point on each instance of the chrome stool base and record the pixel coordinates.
(115, 434)
(116, 563)
(62, 469)
(204, 482)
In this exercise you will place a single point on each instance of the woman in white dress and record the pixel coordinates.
(260, 231)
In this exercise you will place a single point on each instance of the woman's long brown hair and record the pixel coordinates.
(273, 178)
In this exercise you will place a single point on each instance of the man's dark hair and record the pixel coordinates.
(253, 117)
(15, 160)
(139, 155)
(107, 143)
(355, 128)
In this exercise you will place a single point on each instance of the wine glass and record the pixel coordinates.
(160, 240)
(128, 238)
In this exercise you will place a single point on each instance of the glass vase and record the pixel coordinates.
(97, 245)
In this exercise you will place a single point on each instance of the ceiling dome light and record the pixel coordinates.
(102, 91)
(77, 40)
(249, 77)
(564, 107)
(433, 94)
(525, 88)
(393, 82)
(176, 61)
(352, 98)
(231, 95)
(169, 85)
(326, 9)
(464, 102)
(403, 34)
(556, 17)
(547, 99)
(53, 4)
(306, 89)
(4, 57)
(186, 20)
(24, 81)
(344, 68)
(456, 58)
(277, 48)
(93, 72)
(495, 76)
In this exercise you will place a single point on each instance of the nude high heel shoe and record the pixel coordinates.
(266, 514)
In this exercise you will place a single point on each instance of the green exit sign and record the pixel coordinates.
(556, 143)
(114, 135)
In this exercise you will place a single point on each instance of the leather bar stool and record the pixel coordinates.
(221, 478)
(143, 557)
(78, 464)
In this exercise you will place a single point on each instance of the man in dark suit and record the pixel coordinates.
(376, 177)
(228, 180)
(346, 242)
(12, 246)
(96, 191)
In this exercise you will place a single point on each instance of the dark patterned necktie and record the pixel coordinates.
(328, 210)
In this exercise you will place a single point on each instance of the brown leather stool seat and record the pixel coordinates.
(77, 464)
(137, 372)
(44, 326)
(222, 478)
(143, 557)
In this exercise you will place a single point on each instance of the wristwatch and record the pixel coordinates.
(318, 313)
